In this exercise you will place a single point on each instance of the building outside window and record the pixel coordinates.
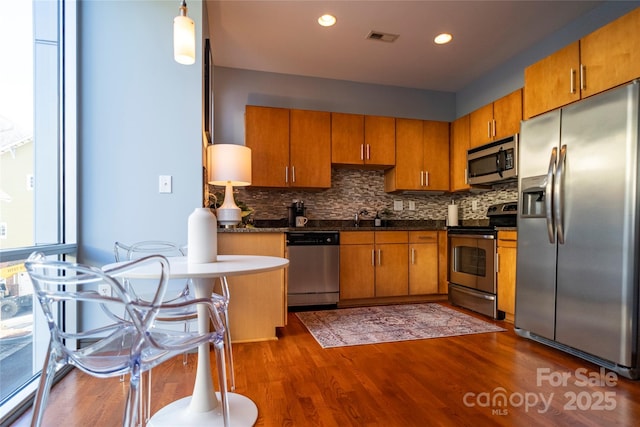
(37, 185)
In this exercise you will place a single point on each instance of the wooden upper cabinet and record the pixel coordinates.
(380, 141)
(608, 57)
(422, 156)
(436, 155)
(310, 149)
(497, 120)
(267, 134)
(551, 82)
(480, 126)
(289, 148)
(347, 139)
(359, 140)
(409, 157)
(507, 115)
(458, 160)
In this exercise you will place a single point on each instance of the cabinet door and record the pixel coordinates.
(507, 114)
(552, 82)
(611, 54)
(259, 300)
(310, 147)
(458, 160)
(443, 262)
(481, 126)
(357, 276)
(347, 139)
(267, 134)
(423, 262)
(507, 252)
(409, 157)
(392, 275)
(380, 141)
(436, 156)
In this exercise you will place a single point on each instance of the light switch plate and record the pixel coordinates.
(397, 205)
(164, 183)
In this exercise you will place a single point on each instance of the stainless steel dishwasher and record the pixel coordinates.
(314, 268)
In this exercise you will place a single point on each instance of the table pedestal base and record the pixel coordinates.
(242, 412)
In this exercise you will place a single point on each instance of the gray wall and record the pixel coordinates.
(235, 88)
(508, 77)
(140, 116)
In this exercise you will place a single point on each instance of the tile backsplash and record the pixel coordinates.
(353, 189)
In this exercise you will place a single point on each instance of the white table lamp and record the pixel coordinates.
(229, 165)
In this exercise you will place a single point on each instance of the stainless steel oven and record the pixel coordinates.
(472, 261)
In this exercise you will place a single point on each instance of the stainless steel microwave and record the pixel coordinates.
(494, 162)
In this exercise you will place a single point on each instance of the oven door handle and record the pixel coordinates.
(475, 236)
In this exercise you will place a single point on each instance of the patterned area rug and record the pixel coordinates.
(372, 325)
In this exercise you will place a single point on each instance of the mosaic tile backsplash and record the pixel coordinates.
(352, 190)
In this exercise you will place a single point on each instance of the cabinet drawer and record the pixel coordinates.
(383, 237)
(356, 237)
(507, 239)
(423, 237)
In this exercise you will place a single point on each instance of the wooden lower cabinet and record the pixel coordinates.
(392, 266)
(258, 302)
(423, 262)
(443, 263)
(357, 267)
(392, 275)
(507, 252)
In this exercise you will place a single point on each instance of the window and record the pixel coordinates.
(37, 178)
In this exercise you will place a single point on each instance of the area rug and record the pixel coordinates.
(372, 325)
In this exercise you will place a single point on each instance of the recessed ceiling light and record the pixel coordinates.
(443, 38)
(327, 20)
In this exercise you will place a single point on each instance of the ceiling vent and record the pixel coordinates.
(383, 37)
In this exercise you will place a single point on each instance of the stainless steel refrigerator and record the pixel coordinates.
(578, 230)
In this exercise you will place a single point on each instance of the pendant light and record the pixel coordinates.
(184, 37)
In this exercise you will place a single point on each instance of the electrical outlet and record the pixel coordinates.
(397, 205)
(474, 205)
(104, 290)
(412, 205)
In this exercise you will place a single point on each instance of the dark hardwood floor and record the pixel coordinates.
(473, 380)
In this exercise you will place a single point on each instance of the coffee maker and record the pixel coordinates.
(296, 209)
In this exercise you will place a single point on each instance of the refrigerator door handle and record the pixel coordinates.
(558, 199)
(549, 198)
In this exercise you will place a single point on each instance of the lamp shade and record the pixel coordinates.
(184, 38)
(229, 164)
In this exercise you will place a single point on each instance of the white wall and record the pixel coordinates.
(140, 116)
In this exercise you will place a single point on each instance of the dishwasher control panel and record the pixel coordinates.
(313, 238)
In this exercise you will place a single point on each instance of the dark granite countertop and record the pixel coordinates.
(281, 226)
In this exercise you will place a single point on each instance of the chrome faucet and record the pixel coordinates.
(356, 219)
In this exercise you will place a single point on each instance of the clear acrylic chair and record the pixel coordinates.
(129, 344)
(125, 252)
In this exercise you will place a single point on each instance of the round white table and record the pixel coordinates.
(203, 408)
